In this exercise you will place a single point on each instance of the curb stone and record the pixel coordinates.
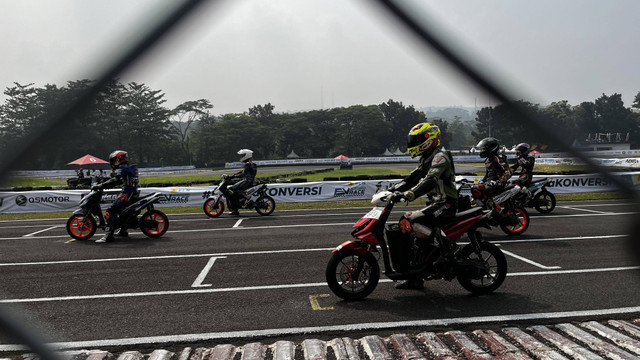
(613, 339)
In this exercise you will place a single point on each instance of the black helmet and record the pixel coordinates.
(488, 147)
(118, 158)
(523, 149)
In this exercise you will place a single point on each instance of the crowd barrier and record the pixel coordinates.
(67, 200)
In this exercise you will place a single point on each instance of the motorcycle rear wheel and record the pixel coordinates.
(544, 195)
(521, 226)
(213, 207)
(161, 227)
(81, 227)
(339, 275)
(265, 205)
(496, 264)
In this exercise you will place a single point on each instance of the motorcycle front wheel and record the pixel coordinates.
(213, 207)
(344, 279)
(494, 262)
(544, 202)
(265, 205)
(522, 224)
(81, 227)
(154, 223)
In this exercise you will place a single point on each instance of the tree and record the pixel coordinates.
(183, 117)
(445, 136)
(505, 123)
(362, 131)
(402, 119)
(267, 146)
(636, 101)
(147, 128)
(461, 134)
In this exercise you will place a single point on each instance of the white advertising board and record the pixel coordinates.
(67, 200)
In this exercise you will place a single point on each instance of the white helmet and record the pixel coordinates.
(245, 155)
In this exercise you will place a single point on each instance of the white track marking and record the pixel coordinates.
(498, 241)
(530, 261)
(165, 257)
(259, 252)
(205, 271)
(237, 224)
(587, 210)
(40, 231)
(303, 226)
(268, 287)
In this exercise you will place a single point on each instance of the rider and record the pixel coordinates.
(434, 176)
(248, 175)
(127, 175)
(497, 173)
(525, 162)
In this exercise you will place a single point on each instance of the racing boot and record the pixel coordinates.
(108, 236)
(411, 284)
(233, 211)
(122, 232)
(448, 250)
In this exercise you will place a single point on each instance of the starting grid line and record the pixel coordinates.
(236, 226)
(270, 287)
(268, 252)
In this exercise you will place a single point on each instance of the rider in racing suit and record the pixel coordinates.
(435, 177)
(248, 175)
(127, 176)
(497, 173)
(525, 162)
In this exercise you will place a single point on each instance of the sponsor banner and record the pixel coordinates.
(566, 184)
(67, 200)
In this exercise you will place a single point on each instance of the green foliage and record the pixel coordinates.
(134, 117)
(607, 114)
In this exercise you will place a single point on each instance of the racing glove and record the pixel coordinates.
(409, 195)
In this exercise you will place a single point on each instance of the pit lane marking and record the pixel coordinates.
(315, 305)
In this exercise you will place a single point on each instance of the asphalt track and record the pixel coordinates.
(242, 279)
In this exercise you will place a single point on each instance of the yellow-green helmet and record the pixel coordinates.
(423, 137)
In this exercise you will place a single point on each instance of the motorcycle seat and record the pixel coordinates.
(463, 215)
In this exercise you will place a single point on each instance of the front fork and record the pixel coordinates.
(476, 239)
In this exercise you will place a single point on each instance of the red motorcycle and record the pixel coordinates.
(353, 271)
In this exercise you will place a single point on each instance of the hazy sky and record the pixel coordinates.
(311, 54)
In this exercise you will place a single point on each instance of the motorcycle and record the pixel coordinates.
(538, 197)
(153, 223)
(253, 197)
(511, 217)
(353, 272)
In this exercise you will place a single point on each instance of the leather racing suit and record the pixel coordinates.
(127, 176)
(435, 177)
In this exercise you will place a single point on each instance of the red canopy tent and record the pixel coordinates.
(341, 157)
(88, 160)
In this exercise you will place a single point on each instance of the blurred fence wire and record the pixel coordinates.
(427, 34)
